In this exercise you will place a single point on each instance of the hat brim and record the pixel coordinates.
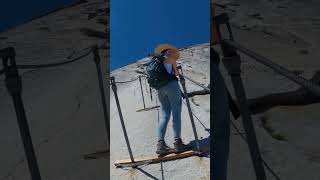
(163, 47)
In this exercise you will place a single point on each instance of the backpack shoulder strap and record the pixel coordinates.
(159, 58)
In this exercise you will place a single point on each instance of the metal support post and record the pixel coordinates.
(146, 84)
(114, 89)
(183, 84)
(14, 86)
(144, 105)
(151, 93)
(232, 62)
(97, 60)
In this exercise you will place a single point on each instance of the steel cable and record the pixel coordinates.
(308, 84)
(197, 83)
(38, 66)
(205, 128)
(264, 162)
(122, 82)
(128, 81)
(206, 88)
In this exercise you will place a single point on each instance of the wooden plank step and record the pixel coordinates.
(97, 155)
(148, 108)
(157, 159)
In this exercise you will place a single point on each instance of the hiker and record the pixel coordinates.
(219, 114)
(169, 95)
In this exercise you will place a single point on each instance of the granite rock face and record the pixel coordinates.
(62, 104)
(282, 31)
(142, 126)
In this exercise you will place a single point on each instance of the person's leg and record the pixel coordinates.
(165, 111)
(175, 100)
(176, 106)
(220, 123)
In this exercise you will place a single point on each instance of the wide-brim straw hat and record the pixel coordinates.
(163, 47)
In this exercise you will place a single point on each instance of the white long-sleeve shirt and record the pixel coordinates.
(168, 67)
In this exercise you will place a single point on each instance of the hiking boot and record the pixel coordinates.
(179, 146)
(163, 148)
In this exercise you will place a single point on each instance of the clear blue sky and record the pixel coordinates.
(137, 26)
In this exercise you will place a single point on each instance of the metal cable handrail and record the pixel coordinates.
(39, 66)
(264, 162)
(205, 128)
(123, 82)
(197, 83)
(308, 84)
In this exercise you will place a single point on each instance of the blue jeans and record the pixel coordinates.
(170, 101)
(220, 124)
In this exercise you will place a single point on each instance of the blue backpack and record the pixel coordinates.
(157, 74)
